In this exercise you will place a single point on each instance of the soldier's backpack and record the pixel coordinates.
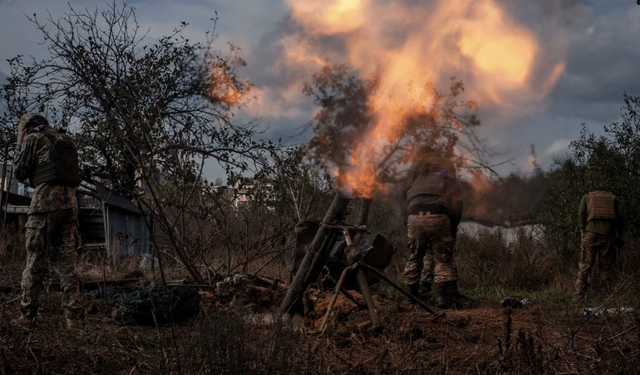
(63, 169)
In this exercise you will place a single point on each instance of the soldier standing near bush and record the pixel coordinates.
(601, 229)
(433, 201)
(47, 160)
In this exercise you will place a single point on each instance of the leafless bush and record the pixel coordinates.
(220, 343)
(489, 262)
(223, 343)
(11, 246)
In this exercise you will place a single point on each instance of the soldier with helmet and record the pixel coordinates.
(47, 161)
(601, 228)
(433, 202)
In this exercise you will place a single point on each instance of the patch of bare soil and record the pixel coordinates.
(537, 339)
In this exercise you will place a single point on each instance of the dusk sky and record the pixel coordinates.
(587, 55)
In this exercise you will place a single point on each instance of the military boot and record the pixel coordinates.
(425, 292)
(414, 289)
(442, 300)
(455, 298)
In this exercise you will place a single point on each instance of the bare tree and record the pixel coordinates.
(148, 114)
(130, 103)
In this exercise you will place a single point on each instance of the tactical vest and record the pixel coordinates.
(427, 184)
(63, 167)
(601, 206)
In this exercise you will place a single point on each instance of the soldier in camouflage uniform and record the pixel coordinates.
(433, 202)
(51, 228)
(601, 229)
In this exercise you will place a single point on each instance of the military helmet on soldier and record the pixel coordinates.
(31, 120)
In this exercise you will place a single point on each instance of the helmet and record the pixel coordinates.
(31, 120)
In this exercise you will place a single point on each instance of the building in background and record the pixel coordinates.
(243, 191)
(107, 222)
(9, 183)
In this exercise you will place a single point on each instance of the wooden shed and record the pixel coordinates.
(14, 209)
(106, 221)
(112, 222)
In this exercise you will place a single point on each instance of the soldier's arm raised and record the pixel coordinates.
(582, 215)
(24, 160)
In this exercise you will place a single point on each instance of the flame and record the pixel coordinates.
(226, 88)
(329, 16)
(411, 47)
(479, 181)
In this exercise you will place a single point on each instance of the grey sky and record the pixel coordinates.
(603, 55)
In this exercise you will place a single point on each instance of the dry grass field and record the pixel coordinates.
(229, 336)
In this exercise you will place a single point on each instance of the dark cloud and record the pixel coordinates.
(603, 64)
(601, 68)
(265, 67)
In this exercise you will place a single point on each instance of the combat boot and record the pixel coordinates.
(442, 300)
(425, 292)
(455, 298)
(414, 290)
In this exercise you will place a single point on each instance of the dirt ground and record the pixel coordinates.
(487, 339)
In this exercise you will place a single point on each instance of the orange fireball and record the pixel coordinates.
(408, 48)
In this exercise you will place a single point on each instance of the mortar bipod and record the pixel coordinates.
(353, 258)
(357, 265)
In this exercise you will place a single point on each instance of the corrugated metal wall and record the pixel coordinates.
(91, 225)
(128, 233)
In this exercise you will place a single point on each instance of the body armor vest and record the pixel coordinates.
(62, 168)
(431, 184)
(601, 206)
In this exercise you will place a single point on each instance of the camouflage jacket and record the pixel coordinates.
(46, 197)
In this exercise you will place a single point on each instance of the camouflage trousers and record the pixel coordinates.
(51, 235)
(595, 250)
(431, 245)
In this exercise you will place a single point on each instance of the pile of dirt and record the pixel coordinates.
(317, 301)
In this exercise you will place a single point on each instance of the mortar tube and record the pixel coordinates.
(299, 284)
(321, 257)
(365, 207)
